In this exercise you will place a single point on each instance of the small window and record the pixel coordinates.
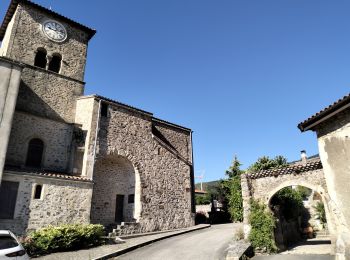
(38, 191)
(104, 109)
(40, 58)
(55, 63)
(35, 153)
(131, 198)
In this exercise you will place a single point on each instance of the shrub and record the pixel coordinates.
(262, 228)
(291, 202)
(63, 238)
(320, 212)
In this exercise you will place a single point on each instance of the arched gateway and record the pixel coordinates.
(263, 185)
(116, 196)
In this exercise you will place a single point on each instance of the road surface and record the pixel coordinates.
(206, 244)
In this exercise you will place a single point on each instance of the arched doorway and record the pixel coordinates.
(300, 213)
(116, 195)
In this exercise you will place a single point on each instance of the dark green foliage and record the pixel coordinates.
(63, 238)
(290, 202)
(262, 228)
(265, 163)
(304, 192)
(202, 199)
(233, 192)
(320, 212)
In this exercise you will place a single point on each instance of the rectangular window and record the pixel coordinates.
(104, 109)
(131, 198)
(8, 197)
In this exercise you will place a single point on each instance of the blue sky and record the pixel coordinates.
(241, 74)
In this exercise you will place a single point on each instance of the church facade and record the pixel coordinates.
(70, 158)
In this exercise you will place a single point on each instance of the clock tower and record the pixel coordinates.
(54, 50)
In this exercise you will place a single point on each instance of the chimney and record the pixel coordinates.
(303, 156)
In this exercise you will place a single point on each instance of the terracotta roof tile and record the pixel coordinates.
(45, 173)
(325, 112)
(297, 168)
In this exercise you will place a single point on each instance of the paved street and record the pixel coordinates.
(204, 244)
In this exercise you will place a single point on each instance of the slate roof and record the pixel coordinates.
(344, 101)
(43, 173)
(12, 8)
(295, 168)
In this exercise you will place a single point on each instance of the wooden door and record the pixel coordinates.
(119, 208)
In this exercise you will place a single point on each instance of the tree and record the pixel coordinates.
(232, 191)
(265, 163)
(234, 169)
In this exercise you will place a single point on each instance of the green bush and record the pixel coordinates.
(262, 228)
(320, 212)
(234, 198)
(63, 238)
(291, 202)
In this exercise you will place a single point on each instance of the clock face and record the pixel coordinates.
(54, 31)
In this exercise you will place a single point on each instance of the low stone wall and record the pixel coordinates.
(62, 201)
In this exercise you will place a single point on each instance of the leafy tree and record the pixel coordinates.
(265, 163)
(290, 202)
(234, 169)
(304, 192)
(232, 192)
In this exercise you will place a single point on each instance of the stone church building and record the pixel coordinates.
(70, 158)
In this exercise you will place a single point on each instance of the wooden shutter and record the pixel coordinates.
(8, 197)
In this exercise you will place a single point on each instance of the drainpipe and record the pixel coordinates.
(193, 205)
(96, 135)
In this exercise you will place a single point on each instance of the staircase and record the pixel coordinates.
(124, 228)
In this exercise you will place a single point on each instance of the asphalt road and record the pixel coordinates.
(209, 243)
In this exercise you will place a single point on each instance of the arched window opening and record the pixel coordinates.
(55, 63)
(37, 192)
(40, 58)
(35, 153)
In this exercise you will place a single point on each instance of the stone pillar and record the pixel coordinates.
(246, 196)
(10, 77)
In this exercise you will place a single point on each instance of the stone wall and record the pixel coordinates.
(26, 37)
(57, 138)
(48, 94)
(179, 139)
(334, 147)
(263, 189)
(62, 202)
(165, 178)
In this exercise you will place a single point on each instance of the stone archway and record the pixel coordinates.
(117, 192)
(264, 184)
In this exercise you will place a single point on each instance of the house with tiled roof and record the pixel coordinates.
(332, 126)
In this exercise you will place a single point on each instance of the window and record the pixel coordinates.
(8, 197)
(55, 63)
(131, 198)
(35, 153)
(104, 109)
(40, 58)
(38, 191)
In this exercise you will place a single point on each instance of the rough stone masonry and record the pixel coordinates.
(72, 158)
